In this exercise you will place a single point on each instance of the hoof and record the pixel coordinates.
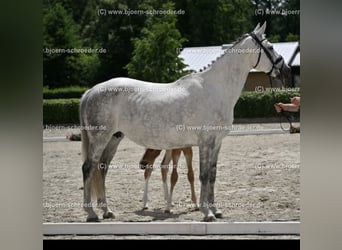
(210, 218)
(94, 219)
(195, 207)
(145, 208)
(218, 214)
(167, 211)
(108, 215)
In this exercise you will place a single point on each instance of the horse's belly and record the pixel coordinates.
(167, 138)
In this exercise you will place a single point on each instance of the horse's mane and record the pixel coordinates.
(240, 39)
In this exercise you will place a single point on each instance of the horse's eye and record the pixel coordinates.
(271, 47)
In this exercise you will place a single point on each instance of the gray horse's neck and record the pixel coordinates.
(229, 74)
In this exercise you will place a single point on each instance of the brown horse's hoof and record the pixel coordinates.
(167, 211)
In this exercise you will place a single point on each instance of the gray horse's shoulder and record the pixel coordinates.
(191, 79)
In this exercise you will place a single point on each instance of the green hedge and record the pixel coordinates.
(61, 111)
(64, 93)
(249, 105)
(261, 104)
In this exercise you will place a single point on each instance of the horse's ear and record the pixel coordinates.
(261, 31)
(256, 28)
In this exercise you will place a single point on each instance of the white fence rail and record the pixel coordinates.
(169, 228)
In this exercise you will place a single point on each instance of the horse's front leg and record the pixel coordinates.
(205, 152)
(212, 177)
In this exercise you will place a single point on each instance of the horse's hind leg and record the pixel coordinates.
(88, 169)
(105, 160)
(147, 175)
(146, 163)
(188, 157)
(174, 177)
(164, 169)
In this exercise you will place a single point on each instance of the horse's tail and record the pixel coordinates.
(84, 134)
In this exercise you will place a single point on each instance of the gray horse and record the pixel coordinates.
(170, 116)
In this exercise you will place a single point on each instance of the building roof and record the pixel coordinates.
(199, 57)
(296, 60)
(286, 50)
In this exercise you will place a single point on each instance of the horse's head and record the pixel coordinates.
(148, 158)
(267, 59)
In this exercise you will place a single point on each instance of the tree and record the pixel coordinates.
(77, 24)
(59, 32)
(155, 56)
(214, 22)
(292, 21)
(115, 33)
(279, 24)
(63, 66)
